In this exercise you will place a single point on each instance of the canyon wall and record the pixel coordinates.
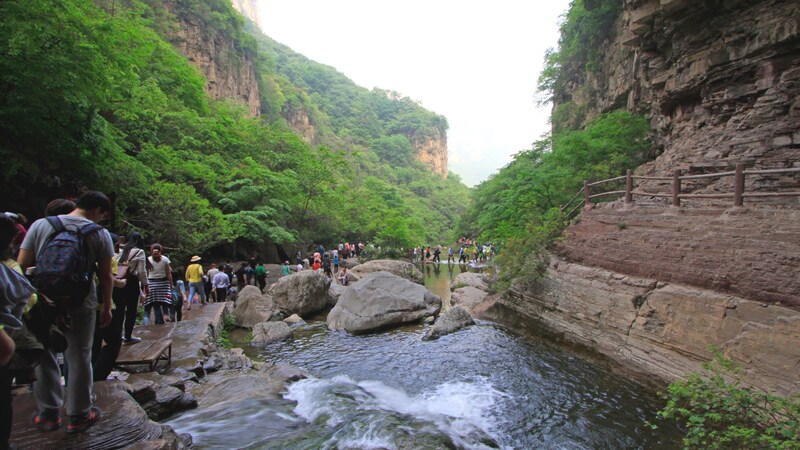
(654, 287)
(432, 151)
(249, 9)
(720, 82)
(230, 71)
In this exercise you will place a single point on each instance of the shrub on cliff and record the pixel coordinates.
(524, 257)
(717, 411)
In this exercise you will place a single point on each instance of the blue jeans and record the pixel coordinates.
(199, 288)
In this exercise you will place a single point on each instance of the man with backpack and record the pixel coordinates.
(67, 251)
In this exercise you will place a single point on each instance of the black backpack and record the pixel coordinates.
(63, 273)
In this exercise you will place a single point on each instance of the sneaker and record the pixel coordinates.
(43, 423)
(80, 423)
(131, 340)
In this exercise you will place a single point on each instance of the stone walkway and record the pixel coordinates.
(124, 421)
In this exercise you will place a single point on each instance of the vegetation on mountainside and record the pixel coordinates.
(546, 176)
(581, 33)
(518, 207)
(93, 95)
(717, 411)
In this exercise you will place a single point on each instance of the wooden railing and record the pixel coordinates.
(738, 195)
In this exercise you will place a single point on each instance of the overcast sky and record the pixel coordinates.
(475, 62)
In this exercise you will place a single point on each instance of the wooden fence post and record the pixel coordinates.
(629, 186)
(738, 185)
(587, 203)
(676, 187)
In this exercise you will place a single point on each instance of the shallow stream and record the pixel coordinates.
(482, 387)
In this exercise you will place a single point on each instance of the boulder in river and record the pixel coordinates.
(454, 319)
(400, 268)
(301, 293)
(476, 280)
(379, 300)
(334, 292)
(348, 263)
(294, 320)
(252, 307)
(468, 297)
(266, 332)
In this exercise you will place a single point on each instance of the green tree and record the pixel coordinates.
(718, 411)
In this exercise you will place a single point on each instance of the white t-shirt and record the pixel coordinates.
(159, 269)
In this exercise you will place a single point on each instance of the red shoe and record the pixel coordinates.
(43, 424)
(78, 425)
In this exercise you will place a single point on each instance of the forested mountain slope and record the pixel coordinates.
(99, 95)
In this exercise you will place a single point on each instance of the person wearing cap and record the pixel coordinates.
(285, 270)
(194, 276)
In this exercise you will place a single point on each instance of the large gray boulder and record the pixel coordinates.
(266, 332)
(454, 319)
(464, 279)
(348, 263)
(334, 292)
(400, 268)
(468, 297)
(301, 293)
(379, 300)
(252, 307)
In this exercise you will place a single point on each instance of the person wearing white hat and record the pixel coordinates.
(194, 276)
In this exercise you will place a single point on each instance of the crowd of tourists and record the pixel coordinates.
(71, 293)
(67, 269)
(329, 261)
(464, 251)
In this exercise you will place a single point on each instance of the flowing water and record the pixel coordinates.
(481, 387)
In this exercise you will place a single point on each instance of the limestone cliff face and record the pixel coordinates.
(299, 122)
(652, 288)
(432, 151)
(249, 9)
(231, 73)
(719, 80)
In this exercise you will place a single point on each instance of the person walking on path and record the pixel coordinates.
(134, 269)
(194, 276)
(160, 285)
(210, 283)
(179, 296)
(260, 274)
(221, 283)
(108, 340)
(326, 266)
(450, 257)
(285, 270)
(92, 207)
(16, 296)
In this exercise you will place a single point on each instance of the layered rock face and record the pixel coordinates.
(230, 72)
(653, 287)
(719, 80)
(299, 122)
(249, 9)
(751, 253)
(661, 329)
(432, 151)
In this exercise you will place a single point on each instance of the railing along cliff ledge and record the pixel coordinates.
(738, 193)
